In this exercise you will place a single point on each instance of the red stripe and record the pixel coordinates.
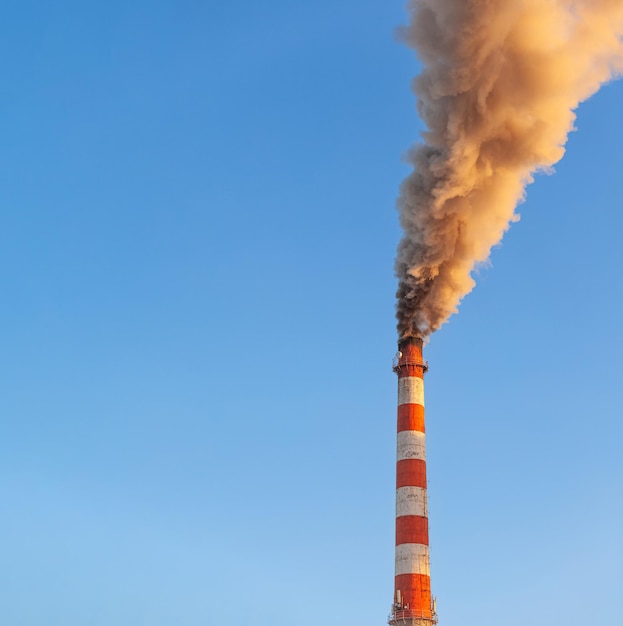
(411, 529)
(411, 348)
(411, 473)
(415, 591)
(411, 354)
(411, 417)
(414, 371)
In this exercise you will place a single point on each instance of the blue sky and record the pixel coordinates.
(197, 409)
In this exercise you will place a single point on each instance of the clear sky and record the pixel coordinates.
(197, 408)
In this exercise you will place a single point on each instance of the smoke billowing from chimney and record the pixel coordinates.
(500, 81)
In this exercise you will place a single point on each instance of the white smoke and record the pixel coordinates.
(500, 83)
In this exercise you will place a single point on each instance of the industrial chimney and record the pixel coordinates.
(413, 604)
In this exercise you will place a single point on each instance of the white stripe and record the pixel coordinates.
(411, 390)
(411, 501)
(411, 445)
(412, 558)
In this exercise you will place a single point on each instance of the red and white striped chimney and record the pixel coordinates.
(413, 603)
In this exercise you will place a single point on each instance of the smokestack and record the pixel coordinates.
(413, 604)
(499, 86)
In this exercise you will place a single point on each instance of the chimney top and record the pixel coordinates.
(405, 342)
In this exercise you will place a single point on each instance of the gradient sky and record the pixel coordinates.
(197, 408)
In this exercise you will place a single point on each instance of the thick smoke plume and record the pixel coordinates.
(500, 82)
